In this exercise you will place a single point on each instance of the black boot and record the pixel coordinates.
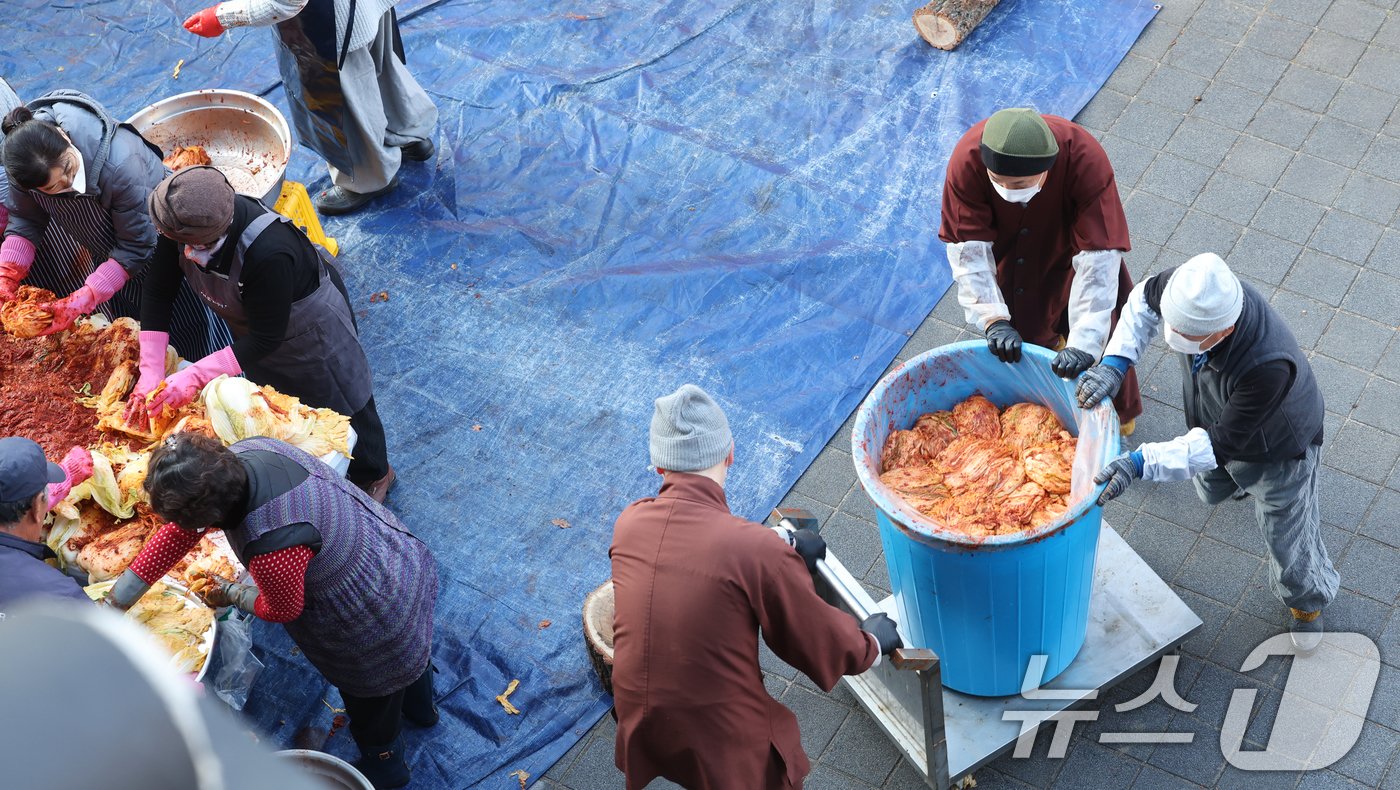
(384, 766)
(418, 705)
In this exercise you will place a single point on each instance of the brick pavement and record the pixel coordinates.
(1266, 132)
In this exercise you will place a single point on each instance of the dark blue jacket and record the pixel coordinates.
(24, 574)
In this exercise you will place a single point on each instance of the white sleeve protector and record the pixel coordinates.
(1091, 298)
(1136, 326)
(1181, 458)
(257, 13)
(976, 273)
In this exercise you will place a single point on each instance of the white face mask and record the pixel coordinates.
(80, 177)
(1177, 342)
(202, 257)
(1022, 196)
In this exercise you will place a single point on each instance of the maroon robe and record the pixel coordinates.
(1076, 210)
(694, 585)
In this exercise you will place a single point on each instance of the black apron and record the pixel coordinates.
(320, 360)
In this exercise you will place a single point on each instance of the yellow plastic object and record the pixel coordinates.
(295, 204)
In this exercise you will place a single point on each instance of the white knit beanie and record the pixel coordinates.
(1202, 297)
(688, 431)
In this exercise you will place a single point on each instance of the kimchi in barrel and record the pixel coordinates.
(987, 597)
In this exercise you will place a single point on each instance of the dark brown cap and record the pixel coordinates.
(193, 205)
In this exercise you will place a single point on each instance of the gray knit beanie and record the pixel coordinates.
(688, 431)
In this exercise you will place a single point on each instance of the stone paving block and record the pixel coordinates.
(1332, 425)
(821, 510)
(1326, 779)
(1367, 760)
(1353, 19)
(594, 767)
(1154, 778)
(1369, 197)
(1385, 705)
(1130, 160)
(1164, 382)
(1175, 178)
(1228, 105)
(1233, 523)
(1257, 160)
(1375, 296)
(1213, 616)
(1341, 384)
(1131, 73)
(1338, 141)
(769, 662)
(948, 308)
(1141, 257)
(1154, 717)
(1369, 569)
(1284, 35)
(1385, 258)
(1202, 141)
(906, 777)
(1102, 110)
(1379, 405)
(1231, 197)
(1252, 69)
(1382, 158)
(1173, 88)
(1155, 41)
(1200, 231)
(986, 778)
(1282, 123)
(1362, 105)
(1217, 571)
(931, 334)
(1313, 178)
(1354, 339)
(861, 749)
(1103, 766)
(1311, 90)
(1228, 21)
(1151, 217)
(1354, 613)
(1200, 55)
(1263, 257)
(818, 718)
(1163, 546)
(829, 478)
(1287, 217)
(1337, 542)
(1233, 778)
(1215, 686)
(825, 778)
(1308, 318)
(1177, 502)
(1146, 124)
(1242, 633)
(1259, 601)
(1343, 499)
(1389, 641)
(1363, 451)
(1321, 277)
(1389, 33)
(1346, 236)
(1331, 53)
(1389, 366)
(856, 542)
(1199, 761)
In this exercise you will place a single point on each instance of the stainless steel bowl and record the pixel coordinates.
(245, 136)
(333, 771)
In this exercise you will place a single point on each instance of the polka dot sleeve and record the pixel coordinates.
(281, 578)
(165, 548)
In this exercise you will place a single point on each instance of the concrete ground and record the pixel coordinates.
(1266, 132)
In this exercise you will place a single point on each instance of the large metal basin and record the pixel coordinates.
(245, 136)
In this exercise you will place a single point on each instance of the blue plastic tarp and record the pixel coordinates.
(629, 195)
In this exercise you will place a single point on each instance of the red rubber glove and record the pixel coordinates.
(106, 280)
(183, 386)
(77, 464)
(16, 256)
(152, 373)
(205, 23)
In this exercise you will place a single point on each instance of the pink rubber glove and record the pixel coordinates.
(16, 256)
(99, 287)
(77, 464)
(183, 386)
(152, 373)
(205, 23)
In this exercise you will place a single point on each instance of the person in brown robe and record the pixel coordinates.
(694, 587)
(1036, 235)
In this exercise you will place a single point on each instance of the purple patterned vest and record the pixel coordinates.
(367, 624)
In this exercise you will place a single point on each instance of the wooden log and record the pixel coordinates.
(945, 23)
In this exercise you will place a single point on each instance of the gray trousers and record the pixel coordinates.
(1285, 506)
(384, 107)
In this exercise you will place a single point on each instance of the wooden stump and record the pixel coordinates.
(598, 631)
(945, 23)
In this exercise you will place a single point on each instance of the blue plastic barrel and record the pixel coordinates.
(986, 605)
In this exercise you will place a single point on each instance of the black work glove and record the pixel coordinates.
(810, 547)
(1004, 341)
(1119, 474)
(880, 626)
(1070, 362)
(1097, 384)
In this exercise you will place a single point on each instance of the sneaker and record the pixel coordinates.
(418, 150)
(1305, 631)
(338, 200)
(379, 489)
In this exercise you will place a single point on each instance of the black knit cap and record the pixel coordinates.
(1018, 142)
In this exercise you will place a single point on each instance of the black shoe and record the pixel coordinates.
(1240, 494)
(384, 766)
(336, 200)
(418, 705)
(418, 150)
